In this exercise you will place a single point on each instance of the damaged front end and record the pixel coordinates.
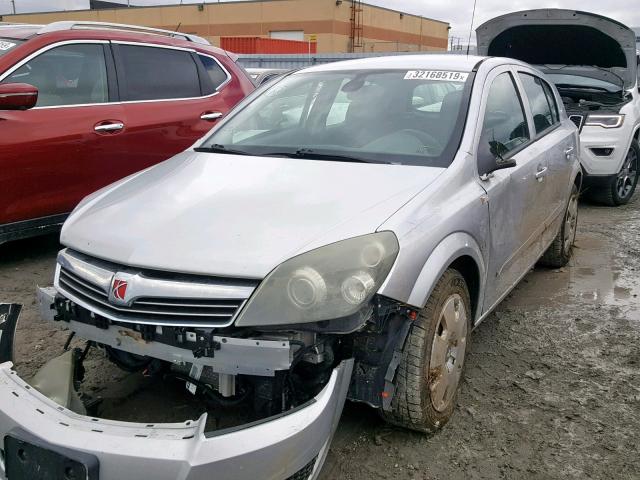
(279, 388)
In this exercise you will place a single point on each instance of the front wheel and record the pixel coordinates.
(619, 189)
(432, 364)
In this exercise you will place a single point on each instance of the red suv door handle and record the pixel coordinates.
(210, 116)
(109, 126)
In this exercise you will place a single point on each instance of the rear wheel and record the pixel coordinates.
(559, 252)
(619, 189)
(430, 372)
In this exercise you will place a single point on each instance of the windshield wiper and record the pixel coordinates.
(218, 148)
(312, 154)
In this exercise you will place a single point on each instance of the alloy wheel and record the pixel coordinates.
(627, 176)
(570, 223)
(448, 352)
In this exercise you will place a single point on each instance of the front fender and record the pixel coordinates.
(456, 245)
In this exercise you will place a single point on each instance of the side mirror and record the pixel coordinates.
(18, 96)
(490, 157)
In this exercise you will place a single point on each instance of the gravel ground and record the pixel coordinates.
(552, 386)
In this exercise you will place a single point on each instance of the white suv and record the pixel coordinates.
(593, 62)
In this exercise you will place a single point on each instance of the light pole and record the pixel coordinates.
(13, 6)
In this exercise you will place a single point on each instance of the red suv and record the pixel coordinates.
(83, 104)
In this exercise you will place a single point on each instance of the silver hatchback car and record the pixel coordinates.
(339, 235)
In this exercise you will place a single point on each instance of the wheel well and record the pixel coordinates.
(468, 268)
(637, 135)
(578, 180)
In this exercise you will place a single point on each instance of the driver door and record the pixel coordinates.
(517, 206)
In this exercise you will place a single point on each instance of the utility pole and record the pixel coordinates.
(13, 6)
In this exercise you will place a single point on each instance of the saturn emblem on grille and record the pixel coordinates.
(118, 292)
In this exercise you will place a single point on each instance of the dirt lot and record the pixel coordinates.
(552, 386)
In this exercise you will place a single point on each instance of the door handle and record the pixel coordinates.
(569, 152)
(109, 127)
(211, 115)
(541, 173)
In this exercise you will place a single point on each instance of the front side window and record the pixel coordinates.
(8, 44)
(504, 127)
(371, 116)
(153, 73)
(73, 74)
(544, 116)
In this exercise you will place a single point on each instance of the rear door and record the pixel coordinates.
(171, 96)
(557, 142)
(56, 153)
(517, 204)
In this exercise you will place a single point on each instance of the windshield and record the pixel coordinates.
(391, 116)
(582, 81)
(8, 44)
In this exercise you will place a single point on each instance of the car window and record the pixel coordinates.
(8, 44)
(368, 114)
(152, 73)
(73, 74)
(551, 98)
(216, 73)
(543, 118)
(505, 126)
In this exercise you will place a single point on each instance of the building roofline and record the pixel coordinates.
(9, 15)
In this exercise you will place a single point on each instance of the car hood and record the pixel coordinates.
(237, 216)
(562, 37)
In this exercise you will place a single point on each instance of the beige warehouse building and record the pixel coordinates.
(336, 25)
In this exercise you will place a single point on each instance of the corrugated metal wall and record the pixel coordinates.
(301, 61)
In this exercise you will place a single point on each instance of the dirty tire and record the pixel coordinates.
(559, 252)
(620, 188)
(413, 404)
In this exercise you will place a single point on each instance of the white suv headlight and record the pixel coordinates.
(329, 282)
(604, 121)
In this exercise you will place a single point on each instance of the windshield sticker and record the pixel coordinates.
(441, 75)
(6, 45)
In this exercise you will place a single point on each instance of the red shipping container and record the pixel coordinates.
(266, 45)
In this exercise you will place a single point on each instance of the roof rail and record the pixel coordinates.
(16, 24)
(71, 25)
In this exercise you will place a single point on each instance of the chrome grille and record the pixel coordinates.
(159, 298)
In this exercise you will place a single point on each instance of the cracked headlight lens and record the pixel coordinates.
(604, 121)
(329, 282)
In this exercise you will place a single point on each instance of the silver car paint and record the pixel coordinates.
(238, 216)
(270, 209)
(271, 450)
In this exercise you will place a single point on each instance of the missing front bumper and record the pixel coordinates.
(292, 444)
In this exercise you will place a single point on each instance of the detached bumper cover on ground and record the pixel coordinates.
(275, 448)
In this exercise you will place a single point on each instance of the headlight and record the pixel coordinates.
(605, 121)
(329, 282)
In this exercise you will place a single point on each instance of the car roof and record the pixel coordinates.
(18, 32)
(96, 32)
(409, 62)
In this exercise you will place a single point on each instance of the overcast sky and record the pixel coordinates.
(457, 12)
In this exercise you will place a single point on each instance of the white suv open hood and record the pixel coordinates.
(562, 37)
(237, 216)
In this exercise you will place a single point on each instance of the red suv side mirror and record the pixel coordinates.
(17, 96)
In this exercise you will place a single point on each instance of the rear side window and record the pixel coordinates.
(217, 75)
(73, 74)
(504, 126)
(153, 73)
(544, 115)
(555, 113)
